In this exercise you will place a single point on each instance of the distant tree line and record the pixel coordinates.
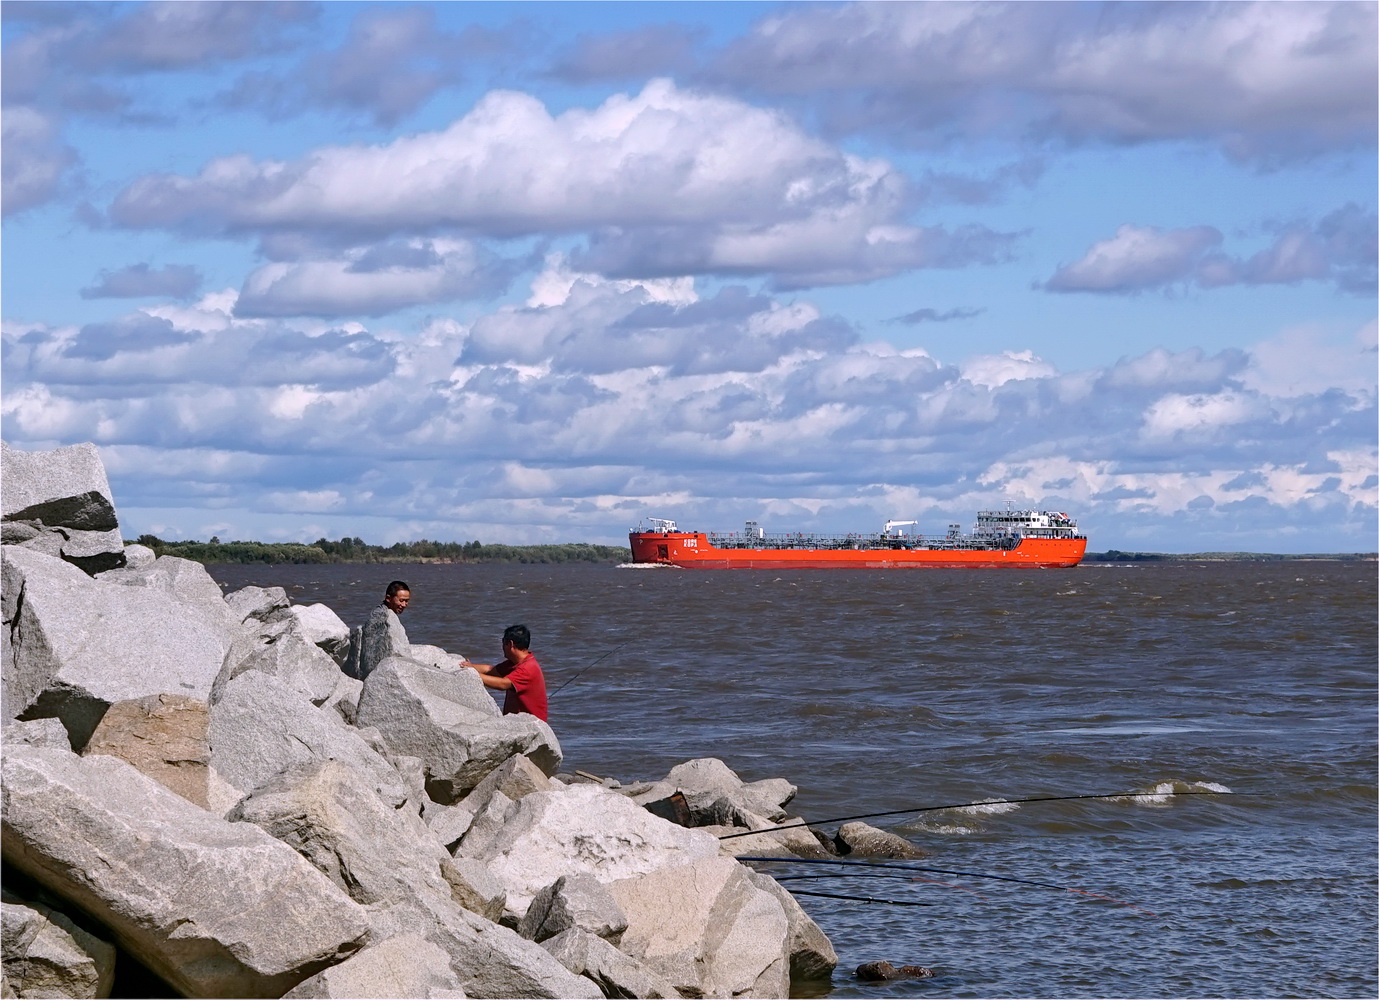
(356, 550)
(1116, 555)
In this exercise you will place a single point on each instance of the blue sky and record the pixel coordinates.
(532, 272)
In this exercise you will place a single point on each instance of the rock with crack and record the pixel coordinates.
(186, 582)
(261, 726)
(402, 966)
(280, 649)
(578, 901)
(707, 929)
(77, 645)
(617, 974)
(216, 909)
(59, 502)
(571, 829)
(386, 859)
(45, 954)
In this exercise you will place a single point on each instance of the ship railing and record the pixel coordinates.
(802, 540)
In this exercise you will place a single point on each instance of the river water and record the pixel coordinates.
(889, 690)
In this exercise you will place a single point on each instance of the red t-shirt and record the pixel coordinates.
(528, 691)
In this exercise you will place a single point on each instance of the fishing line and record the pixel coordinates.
(949, 871)
(860, 899)
(967, 805)
(879, 875)
(599, 660)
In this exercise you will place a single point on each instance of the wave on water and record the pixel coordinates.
(1164, 792)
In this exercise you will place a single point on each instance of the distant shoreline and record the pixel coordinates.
(355, 550)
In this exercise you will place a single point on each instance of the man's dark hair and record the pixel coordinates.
(518, 635)
(394, 587)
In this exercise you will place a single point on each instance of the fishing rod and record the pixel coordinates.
(949, 871)
(599, 660)
(968, 805)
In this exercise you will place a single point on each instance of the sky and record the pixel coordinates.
(531, 273)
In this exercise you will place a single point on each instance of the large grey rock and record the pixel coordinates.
(216, 909)
(65, 487)
(163, 736)
(787, 839)
(332, 816)
(402, 966)
(46, 955)
(448, 823)
(577, 828)
(811, 952)
(448, 720)
(387, 859)
(866, 841)
(714, 794)
(380, 637)
(324, 628)
(186, 582)
(473, 886)
(617, 974)
(261, 604)
(262, 726)
(516, 778)
(577, 900)
(707, 929)
(138, 556)
(434, 656)
(78, 645)
(280, 649)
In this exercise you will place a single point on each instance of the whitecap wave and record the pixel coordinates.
(1163, 792)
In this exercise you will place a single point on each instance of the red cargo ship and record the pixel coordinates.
(1001, 538)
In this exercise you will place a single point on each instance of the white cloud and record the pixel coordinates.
(582, 414)
(1342, 247)
(35, 159)
(1136, 258)
(667, 183)
(1260, 79)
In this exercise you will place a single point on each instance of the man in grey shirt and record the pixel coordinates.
(382, 635)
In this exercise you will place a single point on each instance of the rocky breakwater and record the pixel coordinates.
(195, 789)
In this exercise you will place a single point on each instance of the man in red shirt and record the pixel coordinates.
(519, 675)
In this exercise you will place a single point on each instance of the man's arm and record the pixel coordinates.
(490, 679)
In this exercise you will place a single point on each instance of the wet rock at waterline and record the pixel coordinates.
(864, 841)
(880, 971)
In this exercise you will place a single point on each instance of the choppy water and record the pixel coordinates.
(895, 689)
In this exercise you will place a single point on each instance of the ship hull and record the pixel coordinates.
(692, 550)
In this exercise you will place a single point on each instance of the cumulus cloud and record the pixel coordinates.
(177, 281)
(375, 280)
(666, 182)
(394, 60)
(1260, 78)
(1341, 248)
(35, 159)
(600, 401)
(1136, 258)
